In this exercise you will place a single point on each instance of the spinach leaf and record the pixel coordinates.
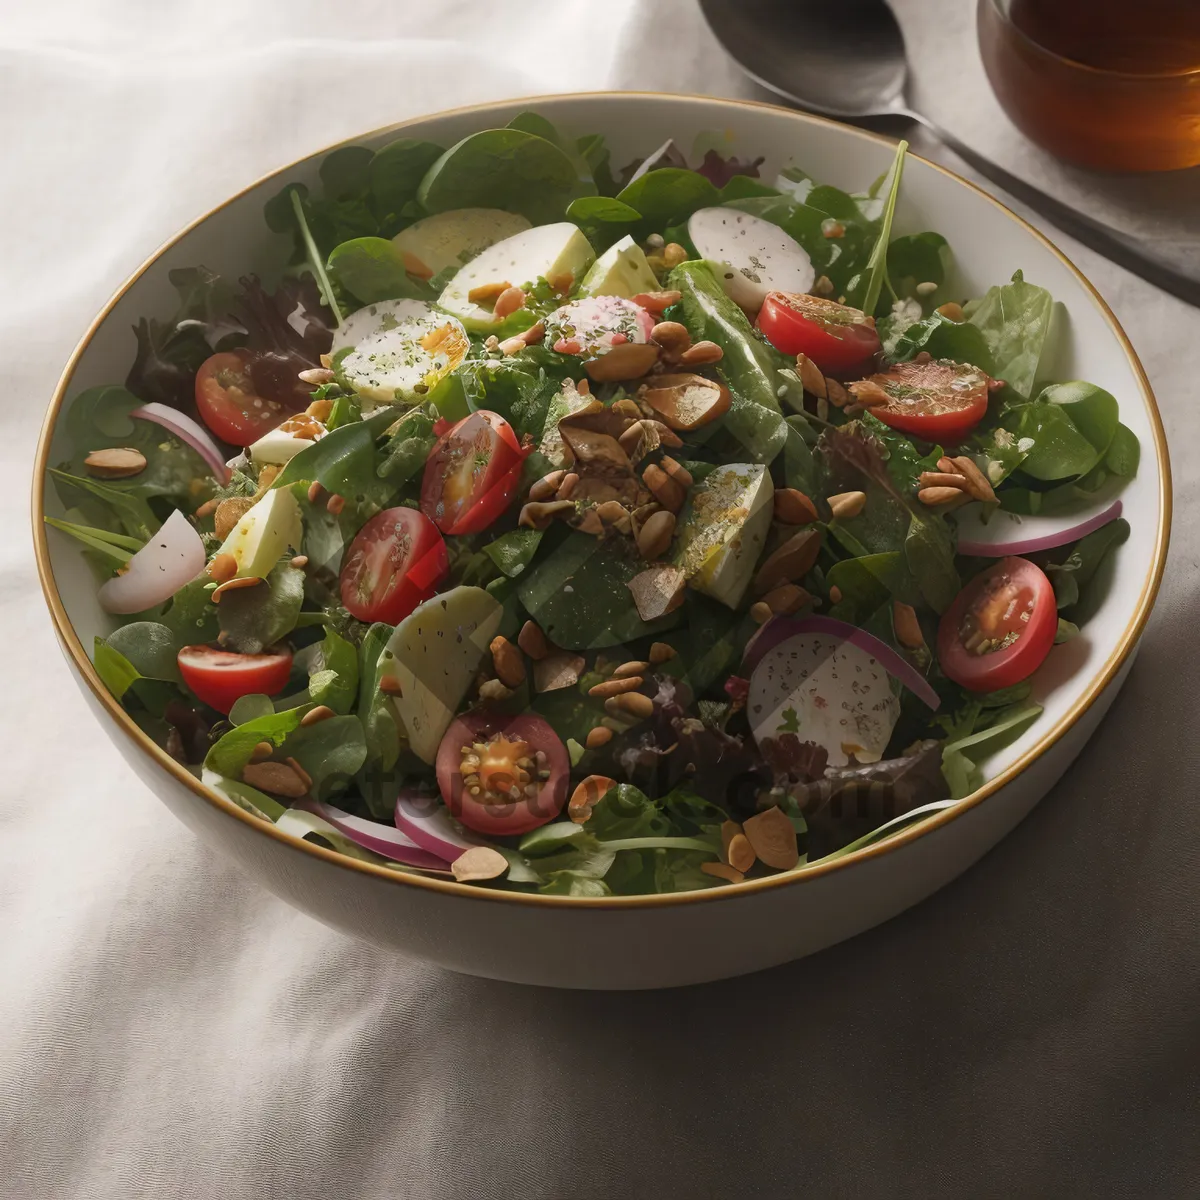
(372, 269)
(190, 614)
(871, 581)
(254, 618)
(1124, 453)
(512, 552)
(959, 341)
(149, 647)
(1014, 320)
(1072, 579)
(799, 466)
(344, 461)
(116, 672)
(1071, 426)
(410, 442)
(667, 196)
(231, 754)
(331, 752)
(916, 258)
(395, 173)
(579, 597)
(337, 659)
(596, 154)
(501, 168)
(929, 550)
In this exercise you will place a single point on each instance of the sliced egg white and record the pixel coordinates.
(395, 351)
(277, 447)
(757, 257)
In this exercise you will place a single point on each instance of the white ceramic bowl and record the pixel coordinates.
(657, 941)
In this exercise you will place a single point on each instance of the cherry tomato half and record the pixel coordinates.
(396, 561)
(219, 677)
(1000, 627)
(838, 338)
(939, 401)
(229, 403)
(472, 474)
(513, 796)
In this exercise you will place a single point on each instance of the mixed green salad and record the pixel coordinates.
(584, 530)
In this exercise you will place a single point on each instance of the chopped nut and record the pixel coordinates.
(638, 440)
(786, 599)
(630, 360)
(666, 435)
(943, 479)
(739, 853)
(206, 509)
(233, 585)
(654, 537)
(567, 487)
(977, 483)
(823, 286)
(557, 671)
(614, 687)
(673, 254)
(657, 302)
(222, 568)
(590, 523)
(587, 795)
(836, 394)
(545, 488)
(626, 408)
(677, 471)
(335, 504)
(660, 652)
(686, 402)
(538, 515)
(729, 830)
(702, 354)
(773, 838)
(635, 704)
(315, 716)
(533, 641)
(507, 661)
(315, 492)
(722, 871)
(631, 668)
(512, 345)
(672, 337)
(487, 291)
(261, 751)
(937, 496)
(658, 590)
(906, 625)
(667, 491)
(508, 302)
(561, 281)
(833, 228)
(612, 512)
(600, 736)
(835, 594)
(478, 865)
(811, 376)
(300, 561)
(846, 505)
(119, 462)
(791, 561)
(760, 612)
(305, 777)
(316, 376)
(274, 778)
(494, 690)
(952, 311)
(869, 394)
(229, 513)
(793, 507)
(927, 288)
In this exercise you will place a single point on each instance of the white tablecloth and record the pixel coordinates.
(168, 1029)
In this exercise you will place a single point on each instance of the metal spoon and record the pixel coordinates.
(848, 61)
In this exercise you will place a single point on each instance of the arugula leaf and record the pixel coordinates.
(114, 549)
(1014, 320)
(315, 259)
(961, 755)
(878, 262)
(501, 168)
(130, 510)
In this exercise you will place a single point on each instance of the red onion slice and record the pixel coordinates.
(779, 629)
(173, 557)
(189, 431)
(1008, 533)
(380, 839)
(428, 824)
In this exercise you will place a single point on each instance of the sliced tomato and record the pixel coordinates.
(838, 338)
(522, 772)
(1000, 627)
(229, 403)
(472, 474)
(396, 561)
(219, 677)
(936, 400)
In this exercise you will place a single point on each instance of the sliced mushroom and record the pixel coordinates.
(686, 401)
(658, 590)
(592, 449)
(630, 360)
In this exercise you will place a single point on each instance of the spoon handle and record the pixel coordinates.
(1173, 275)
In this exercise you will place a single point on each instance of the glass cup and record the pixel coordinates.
(1111, 84)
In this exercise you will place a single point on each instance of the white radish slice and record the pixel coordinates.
(826, 690)
(173, 557)
(424, 820)
(758, 257)
(1007, 533)
(385, 840)
(189, 431)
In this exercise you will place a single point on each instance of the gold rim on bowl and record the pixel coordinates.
(79, 658)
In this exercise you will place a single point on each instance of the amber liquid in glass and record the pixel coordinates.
(1105, 83)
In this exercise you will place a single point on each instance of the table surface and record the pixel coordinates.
(169, 1029)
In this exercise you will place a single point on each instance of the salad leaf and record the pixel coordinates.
(667, 196)
(372, 269)
(1072, 578)
(512, 552)
(1124, 453)
(344, 462)
(254, 618)
(1014, 320)
(940, 337)
(410, 442)
(916, 258)
(395, 173)
(331, 752)
(878, 262)
(232, 752)
(595, 153)
(316, 260)
(501, 168)
(114, 549)
(149, 647)
(993, 729)
(116, 672)
(870, 581)
(337, 660)
(131, 511)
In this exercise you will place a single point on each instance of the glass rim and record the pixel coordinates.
(1000, 9)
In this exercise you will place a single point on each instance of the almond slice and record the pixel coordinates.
(630, 360)
(773, 838)
(478, 865)
(119, 462)
(687, 401)
(721, 871)
(658, 590)
(557, 671)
